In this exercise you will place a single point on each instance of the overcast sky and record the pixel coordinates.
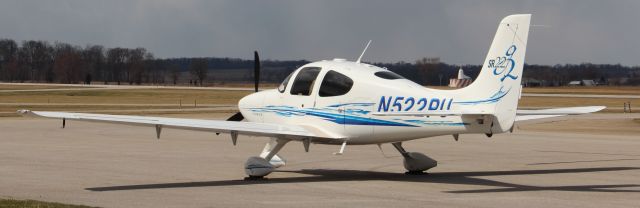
(573, 31)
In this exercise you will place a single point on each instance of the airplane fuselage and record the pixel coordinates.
(370, 112)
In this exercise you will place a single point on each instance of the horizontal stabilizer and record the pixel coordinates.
(562, 111)
(523, 115)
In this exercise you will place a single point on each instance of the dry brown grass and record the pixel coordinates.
(262, 86)
(616, 126)
(127, 96)
(607, 90)
(613, 104)
(604, 90)
(34, 87)
(106, 101)
(10, 111)
(15, 203)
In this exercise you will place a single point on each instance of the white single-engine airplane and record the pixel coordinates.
(341, 102)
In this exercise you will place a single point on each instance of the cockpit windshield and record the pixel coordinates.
(283, 85)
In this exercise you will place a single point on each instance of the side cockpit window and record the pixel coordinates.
(303, 84)
(283, 85)
(388, 75)
(335, 84)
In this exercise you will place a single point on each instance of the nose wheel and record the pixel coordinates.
(414, 162)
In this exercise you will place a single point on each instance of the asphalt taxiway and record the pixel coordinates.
(553, 164)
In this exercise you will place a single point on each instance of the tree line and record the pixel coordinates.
(41, 61)
(434, 74)
(58, 62)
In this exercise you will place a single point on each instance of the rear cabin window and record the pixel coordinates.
(335, 84)
(303, 84)
(388, 75)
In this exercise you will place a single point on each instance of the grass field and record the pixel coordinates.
(14, 203)
(613, 104)
(608, 90)
(34, 87)
(152, 101)
(126, 96)
(173, 101)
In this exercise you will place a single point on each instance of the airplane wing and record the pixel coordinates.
(293, 132)
(522, 115)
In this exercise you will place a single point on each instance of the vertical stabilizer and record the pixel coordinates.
(498, 85)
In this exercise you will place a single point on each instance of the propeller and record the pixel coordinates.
(256, 78)
(256, 69)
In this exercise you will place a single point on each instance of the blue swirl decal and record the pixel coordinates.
(338, 118)
(493, 99)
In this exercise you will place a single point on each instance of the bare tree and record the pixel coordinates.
(95, 62)
(429, 71)
(135, 65)
(199, 69)
(154, 70)
(175, 73)
(69, 67)
(38, 58)
(8, 55)
(115, 63)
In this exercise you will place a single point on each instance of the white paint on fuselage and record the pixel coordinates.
(367, 88)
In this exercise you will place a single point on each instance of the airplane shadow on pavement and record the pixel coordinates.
(461, 178)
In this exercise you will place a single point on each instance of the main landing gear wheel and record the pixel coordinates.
(414, 162)
(258, 167)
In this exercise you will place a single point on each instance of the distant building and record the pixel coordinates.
(584, 82)
(589, 82)
(530, 82)
(575, 83)
(461, 81)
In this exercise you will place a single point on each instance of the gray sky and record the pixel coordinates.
(458, 31)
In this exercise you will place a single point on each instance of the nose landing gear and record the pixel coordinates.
(415, 163)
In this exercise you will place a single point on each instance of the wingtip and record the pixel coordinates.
(23, 112)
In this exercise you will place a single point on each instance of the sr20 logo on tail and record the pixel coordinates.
(501, 63)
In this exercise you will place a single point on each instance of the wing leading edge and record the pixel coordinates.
(293, 132)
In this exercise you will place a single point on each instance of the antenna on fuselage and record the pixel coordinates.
(362, 54)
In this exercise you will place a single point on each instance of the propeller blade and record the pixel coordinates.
(236, 117)
(256, 69)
